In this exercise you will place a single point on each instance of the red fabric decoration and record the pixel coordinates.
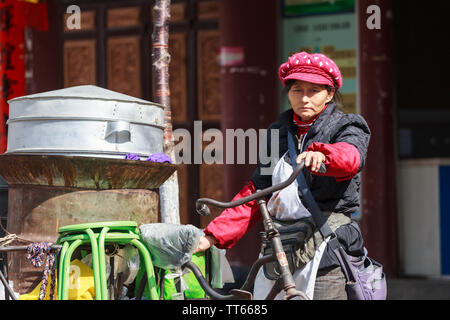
(35, 14)
(12, 61)
(14, 17)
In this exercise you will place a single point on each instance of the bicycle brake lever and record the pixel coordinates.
(323, 168)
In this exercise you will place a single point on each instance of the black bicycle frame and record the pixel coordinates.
(271, 234)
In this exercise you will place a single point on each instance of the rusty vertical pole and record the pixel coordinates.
(161, 59)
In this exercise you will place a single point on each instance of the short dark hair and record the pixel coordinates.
(337, 98)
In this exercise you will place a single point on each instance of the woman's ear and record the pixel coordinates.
(330, 95)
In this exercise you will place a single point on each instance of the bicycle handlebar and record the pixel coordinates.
(243, 292)
(203, 209)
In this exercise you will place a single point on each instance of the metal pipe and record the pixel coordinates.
(277, 287)
(273, 235)
(5, 272)
(24, 248)
(7, 287)
(111, 278)
(254, 271)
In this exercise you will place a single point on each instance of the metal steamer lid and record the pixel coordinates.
(84, 120)
(86, 92)
(86, 102)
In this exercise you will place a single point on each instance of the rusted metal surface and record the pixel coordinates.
(49, 191)
(83, 172)
(36, 212)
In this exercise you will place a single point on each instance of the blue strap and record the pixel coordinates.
(307, 197)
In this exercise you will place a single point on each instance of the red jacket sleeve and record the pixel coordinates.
(342, 159)
(233, 223)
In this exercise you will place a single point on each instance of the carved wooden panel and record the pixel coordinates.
(211, 187)
(208, 43)
(124, 65)
(208, 10)
(177, 12)
(177, 72)
(79, 62)
(87, 21)
(123, 17)
(211, 176)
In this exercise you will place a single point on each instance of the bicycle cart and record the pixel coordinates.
(103, 238)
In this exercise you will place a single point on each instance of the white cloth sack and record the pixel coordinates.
(286, 205)
(304, 278)
(170, 245)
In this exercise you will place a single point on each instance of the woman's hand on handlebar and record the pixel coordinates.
(313, 160)
(205, 243)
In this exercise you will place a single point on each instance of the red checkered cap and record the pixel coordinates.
(315, 68)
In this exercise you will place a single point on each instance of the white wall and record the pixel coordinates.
(419, 216)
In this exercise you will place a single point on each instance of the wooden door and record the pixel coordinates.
(112, 49)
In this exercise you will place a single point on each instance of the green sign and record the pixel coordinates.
(307, 7)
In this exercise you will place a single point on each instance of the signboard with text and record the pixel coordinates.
(334, 35)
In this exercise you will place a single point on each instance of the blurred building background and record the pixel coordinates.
(224, 62)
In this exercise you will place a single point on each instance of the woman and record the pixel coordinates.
(325, 135)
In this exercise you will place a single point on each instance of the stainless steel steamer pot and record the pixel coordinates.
(84, 121)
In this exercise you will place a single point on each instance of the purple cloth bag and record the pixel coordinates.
(159, 157)
(365, 277)
(132, 156)
(156, 157)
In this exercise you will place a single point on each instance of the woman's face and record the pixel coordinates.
(308, 99)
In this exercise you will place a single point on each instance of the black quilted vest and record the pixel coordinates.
(332, 126)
